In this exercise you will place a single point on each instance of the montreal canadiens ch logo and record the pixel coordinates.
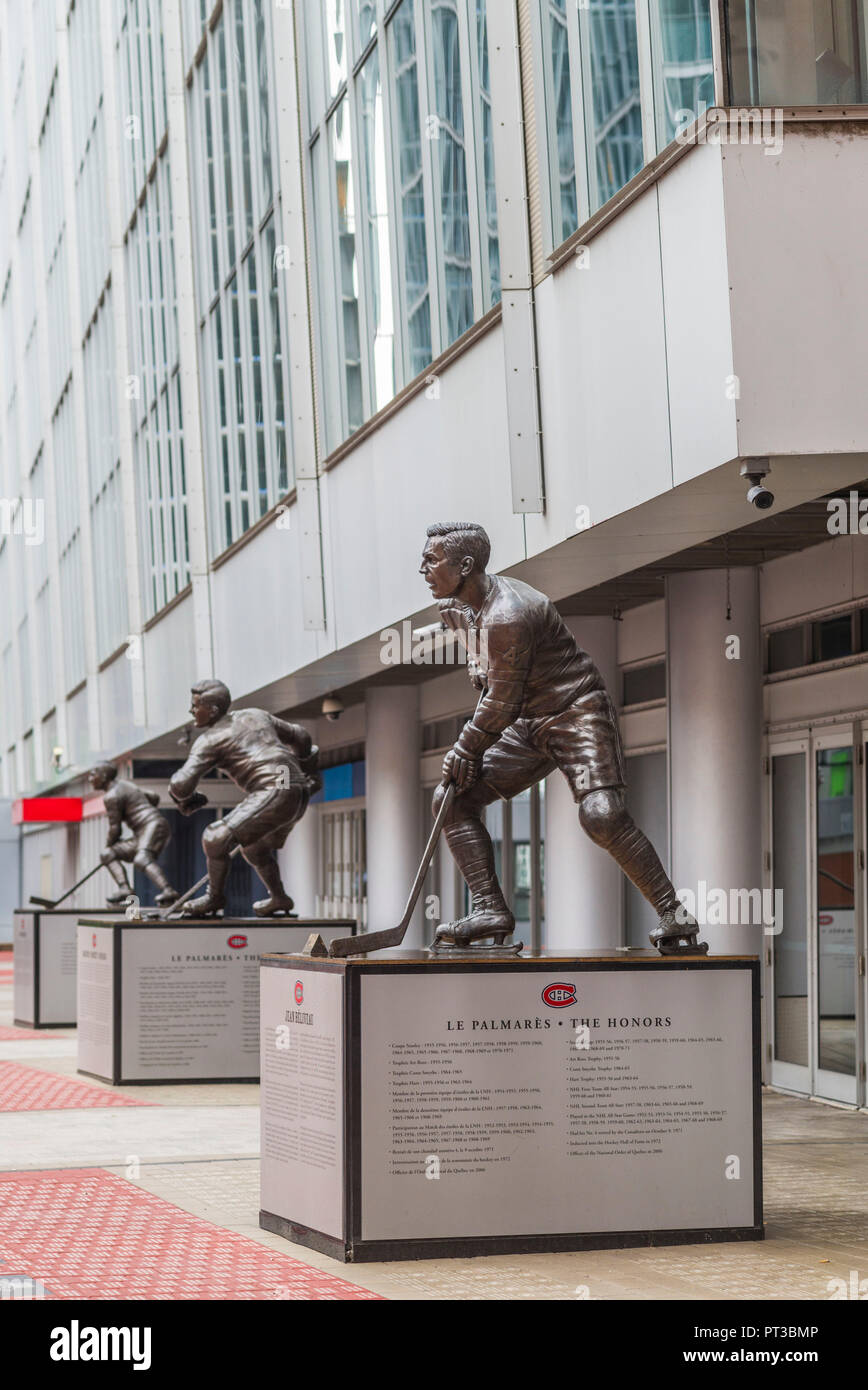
(559, 995)
(236, 942)
(299, 992)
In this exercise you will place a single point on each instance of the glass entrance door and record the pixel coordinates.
(818, 794)
(834, 892)
(790, 1011)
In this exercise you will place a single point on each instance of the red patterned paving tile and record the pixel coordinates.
(9, 1033)
(27, 1088)
(85, 1233)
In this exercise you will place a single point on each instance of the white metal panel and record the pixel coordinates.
(447, 695)
(603, 378)
(810, 580)
(171, 667)
(443, 457)
(702, 403)
(796, 241)
(118, 729)
(644, 729)
(819, 695)
(642, 632)
(258, 618)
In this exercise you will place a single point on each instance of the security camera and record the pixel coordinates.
(57, 758)
(332, 708)
(758, 495)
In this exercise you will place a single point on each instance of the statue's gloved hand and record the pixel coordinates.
(191, 804)
(310, 768)
(460, 769)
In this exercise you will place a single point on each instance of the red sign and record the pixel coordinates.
(236, 942)
(299, 992)
(559, 995)
(46, 808)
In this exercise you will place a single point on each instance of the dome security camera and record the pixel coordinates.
(332, 708)
(758, 495)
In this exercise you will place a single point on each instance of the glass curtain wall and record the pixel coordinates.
(619, 79)
(239, 261)
(153, 387)
(798, 52)
(683, 64)
(404, 214)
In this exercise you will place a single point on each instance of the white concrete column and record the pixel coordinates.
(584, 886)
(393, 801)
(714, 677)
(299, 863)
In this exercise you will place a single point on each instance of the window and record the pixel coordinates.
(154, 389)
(104, 478)
(810, 54)
(142, 92)
(786, 649)
(826, 639)
(239, 263)
(344, 864)
(69, 540)
(89, 154)
(404, 208)
(54, 251)
(599, 75)
(645, 683)
(832, 638)
(683, 65)
(613, 113)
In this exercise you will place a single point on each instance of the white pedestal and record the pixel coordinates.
(44, 965)
(178, 1001)
(416, 1108)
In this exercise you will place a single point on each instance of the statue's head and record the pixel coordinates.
(455, 551)
(211, 700)
(102, 776)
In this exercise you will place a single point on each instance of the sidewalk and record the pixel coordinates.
(153, 1191)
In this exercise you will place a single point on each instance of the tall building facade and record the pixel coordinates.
(282, 283)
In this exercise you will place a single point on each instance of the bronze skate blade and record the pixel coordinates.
(683, 948)
(476, 952)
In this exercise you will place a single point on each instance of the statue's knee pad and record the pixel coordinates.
(142, 858)
(217, 840)
(107, 856)
(602, 814)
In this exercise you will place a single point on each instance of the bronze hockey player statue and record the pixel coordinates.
(125, 803)
(274, 763)
(543, 705)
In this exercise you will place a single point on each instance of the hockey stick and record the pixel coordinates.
(170, 911)
(46, 902)
(393, 936)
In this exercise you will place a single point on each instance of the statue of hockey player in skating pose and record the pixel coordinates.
(125, 803)
(274, 763)
(543, 705)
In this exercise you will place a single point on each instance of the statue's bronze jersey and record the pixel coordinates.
(124, 801)
(258, 750)
(522, 656)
